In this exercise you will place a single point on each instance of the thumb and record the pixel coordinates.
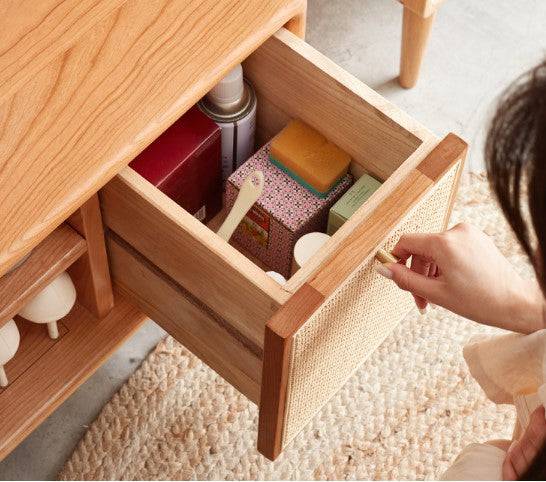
(409, 280)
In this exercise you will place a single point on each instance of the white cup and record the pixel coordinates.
(9, 343)
(279, 278)
(51, 304)
(306, 247)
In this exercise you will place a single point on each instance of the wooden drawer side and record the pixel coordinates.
(188, 252)
(235, 358)
(293, 80)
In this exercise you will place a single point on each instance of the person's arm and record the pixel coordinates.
(463, 271)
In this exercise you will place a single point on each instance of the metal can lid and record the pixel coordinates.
(228, 93)
(235, 113)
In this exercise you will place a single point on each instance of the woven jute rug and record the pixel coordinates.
(405, 414)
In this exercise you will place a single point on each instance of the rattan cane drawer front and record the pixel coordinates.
(353, 322)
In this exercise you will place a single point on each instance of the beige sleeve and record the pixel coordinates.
(507, 365)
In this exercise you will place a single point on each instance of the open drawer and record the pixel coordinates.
(288, 348)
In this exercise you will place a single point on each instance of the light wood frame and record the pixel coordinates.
(90, 273)
(417, 22)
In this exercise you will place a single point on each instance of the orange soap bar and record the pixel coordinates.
(309, 158)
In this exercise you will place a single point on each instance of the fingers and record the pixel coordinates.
(421, 266)
(421, 303)
(420, 279)
(508, 470)
(515, 461)
(534, 436)
(409, 280)
(415, 244)
(523, 452)
(537, 427)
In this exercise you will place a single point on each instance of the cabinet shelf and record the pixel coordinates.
(51, 257)
(46, 372)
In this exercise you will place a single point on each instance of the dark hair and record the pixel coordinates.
(516, 166)
(515, 155)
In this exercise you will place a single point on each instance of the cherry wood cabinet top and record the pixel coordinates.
(85, 85)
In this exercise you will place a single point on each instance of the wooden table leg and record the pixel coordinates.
(298, 23)
(415, 33)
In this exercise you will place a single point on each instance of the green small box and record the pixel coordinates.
(347, 205)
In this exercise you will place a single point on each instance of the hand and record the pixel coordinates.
(463, 271)
(523, 452)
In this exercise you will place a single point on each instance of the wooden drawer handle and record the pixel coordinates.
(385, 257)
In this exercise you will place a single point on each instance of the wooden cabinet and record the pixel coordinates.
(287, 348)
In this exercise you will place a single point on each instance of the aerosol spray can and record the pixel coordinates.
(232, 105)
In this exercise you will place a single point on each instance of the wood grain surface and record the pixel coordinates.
(278, 342)
(54, 376)
(423, 8)
(192, 255)
(70, 125)
(205, 334)
(34, 343)
(415, 33)
(450, 150)
(52, 256)
(34, 32)
(91, 273)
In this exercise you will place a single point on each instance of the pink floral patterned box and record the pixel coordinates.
(284, 212)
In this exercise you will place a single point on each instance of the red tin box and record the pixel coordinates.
(185, 164)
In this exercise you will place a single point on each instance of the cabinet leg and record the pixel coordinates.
(91, 273)
(415, 33)
(297, 24)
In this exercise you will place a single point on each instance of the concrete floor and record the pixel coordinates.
(476, 48)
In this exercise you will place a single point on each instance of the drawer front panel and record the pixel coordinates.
(329, 327)
(353, 322)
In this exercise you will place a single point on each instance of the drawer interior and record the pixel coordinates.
(292, 80)
(153, 238)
